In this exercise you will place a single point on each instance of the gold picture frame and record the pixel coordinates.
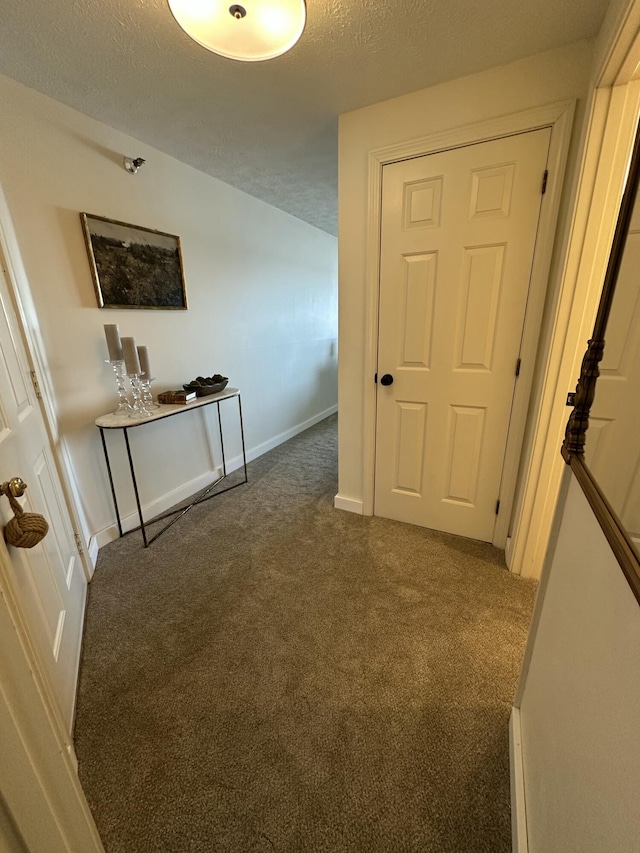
(132, 266)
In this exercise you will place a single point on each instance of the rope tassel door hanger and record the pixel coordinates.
(25, 529)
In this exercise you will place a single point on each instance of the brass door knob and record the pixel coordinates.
(17, 487)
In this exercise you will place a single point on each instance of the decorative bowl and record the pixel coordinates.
(203, 390)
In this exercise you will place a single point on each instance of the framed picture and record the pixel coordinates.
(134, 267)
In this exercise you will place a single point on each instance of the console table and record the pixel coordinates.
(125, 423)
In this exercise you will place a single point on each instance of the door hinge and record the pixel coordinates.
(498, 506)
(375, 378)
(76, 536)
(544, 181)
(36, 386)
(518, 363)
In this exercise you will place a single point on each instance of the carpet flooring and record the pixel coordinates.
(276, 675)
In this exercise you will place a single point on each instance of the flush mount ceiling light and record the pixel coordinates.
(251, 31)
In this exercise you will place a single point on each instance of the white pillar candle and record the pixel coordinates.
(130, 354)
(112, 334)
(143, 357)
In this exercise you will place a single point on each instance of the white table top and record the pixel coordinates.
(112, 421)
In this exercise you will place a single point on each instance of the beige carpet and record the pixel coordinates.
(276, 675)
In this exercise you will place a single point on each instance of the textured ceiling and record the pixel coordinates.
(268, 128)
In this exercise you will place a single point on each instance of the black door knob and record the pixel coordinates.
(387, 379)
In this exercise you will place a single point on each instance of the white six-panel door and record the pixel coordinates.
(48, 580)
(457, 243)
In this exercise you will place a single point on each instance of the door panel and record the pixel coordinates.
(457, 243)
(422, 204)
(412, 418)
(480, 291)
(47, 580)
(463, 455)
(491, 192)
(416, 332)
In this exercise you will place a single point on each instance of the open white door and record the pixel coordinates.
(458, 237)
(42, 806)
(48, 580)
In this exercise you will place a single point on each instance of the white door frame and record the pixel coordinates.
(559, 117)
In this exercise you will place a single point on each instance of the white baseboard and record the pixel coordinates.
(348, 504)
(254, 452)
(266, 446)
(166, 501)
(158, 506)
(519, 840)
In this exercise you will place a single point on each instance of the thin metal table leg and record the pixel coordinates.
(244, 452)
(113, 490)
(135, 488)
(224, 461)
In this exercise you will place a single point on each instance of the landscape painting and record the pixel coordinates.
(134, 267)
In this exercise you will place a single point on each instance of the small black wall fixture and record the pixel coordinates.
(132, 165)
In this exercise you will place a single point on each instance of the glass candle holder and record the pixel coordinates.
(124, 404)
(147, 398)
(139, 410)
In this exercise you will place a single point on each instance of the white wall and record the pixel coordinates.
(580, 703)
(538, 80)
(261, 287)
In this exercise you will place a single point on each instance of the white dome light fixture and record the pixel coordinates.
(249, 31)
